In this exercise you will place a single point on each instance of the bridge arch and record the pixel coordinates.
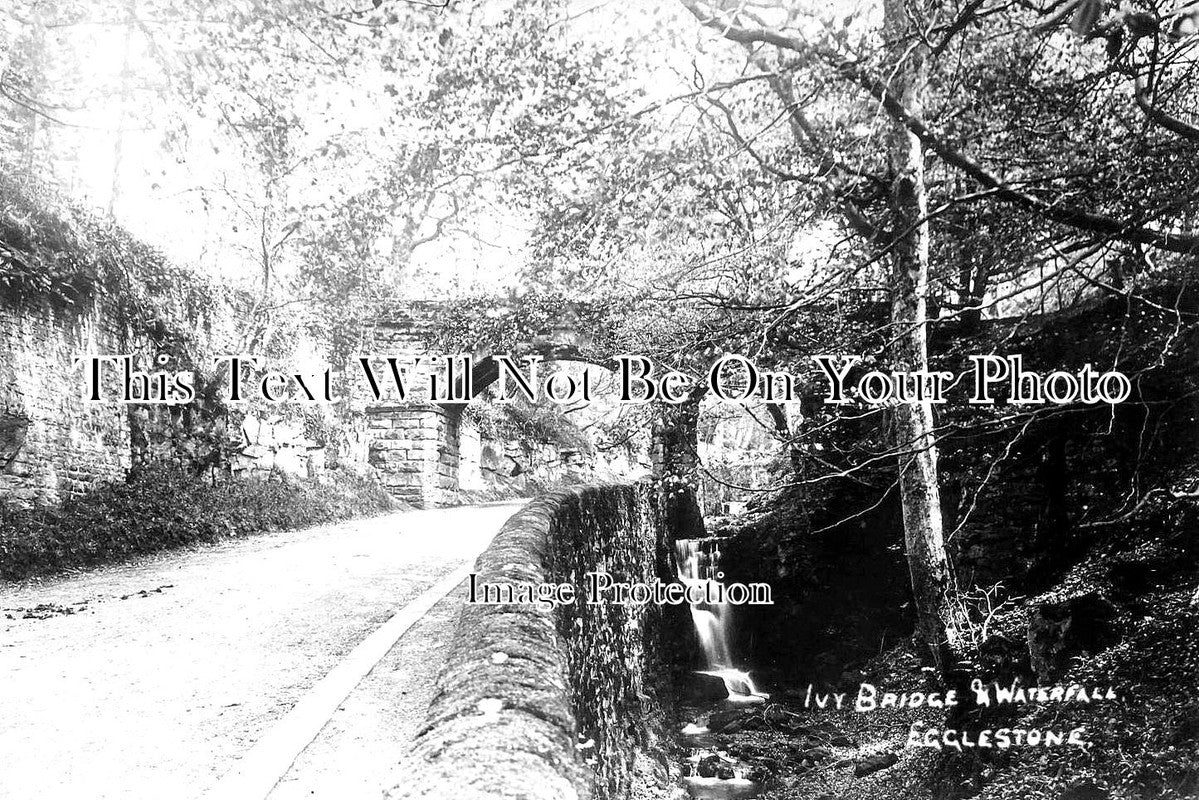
(417, 447)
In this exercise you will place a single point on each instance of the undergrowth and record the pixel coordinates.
(155, 510)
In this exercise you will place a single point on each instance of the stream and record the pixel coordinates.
(713, 773)
(742, 742)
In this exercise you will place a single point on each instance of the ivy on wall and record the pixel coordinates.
(57, 254)
(54, 252)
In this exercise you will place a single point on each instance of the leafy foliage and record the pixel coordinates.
(525, 423)
(50, 251)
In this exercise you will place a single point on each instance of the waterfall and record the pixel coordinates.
(698, 565)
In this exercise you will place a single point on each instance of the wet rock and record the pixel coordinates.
(733, 726)
(760, 774)
(754, 722)
(872, 764)
(703, 741)
(708, 767)
(725, 772)
(719, 720)
(702, 688)
(842, 741)
(732, 720)
(745, 751)
(743, 701)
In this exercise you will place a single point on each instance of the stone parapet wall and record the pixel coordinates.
(542, 703)
(619, 655)
(500, 724)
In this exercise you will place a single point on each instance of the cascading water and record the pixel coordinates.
(699, 566)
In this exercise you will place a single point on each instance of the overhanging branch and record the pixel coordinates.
(1161, 118)
(851, 70)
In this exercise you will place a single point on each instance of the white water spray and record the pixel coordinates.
(699, 564)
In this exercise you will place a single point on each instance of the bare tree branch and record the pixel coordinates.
(1142, 92)
(851, 70)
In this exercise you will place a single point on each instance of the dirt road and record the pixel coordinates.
(158, 679)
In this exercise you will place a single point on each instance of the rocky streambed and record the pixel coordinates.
(779, 749)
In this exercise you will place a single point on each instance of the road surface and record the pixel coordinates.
(182, 674)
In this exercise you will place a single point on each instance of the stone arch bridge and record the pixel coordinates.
(417, 447)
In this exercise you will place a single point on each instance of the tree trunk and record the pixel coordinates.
(782, 428)
(932, 578)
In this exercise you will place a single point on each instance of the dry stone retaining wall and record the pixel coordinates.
(52, 443)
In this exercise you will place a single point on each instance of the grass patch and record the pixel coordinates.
(156, 510)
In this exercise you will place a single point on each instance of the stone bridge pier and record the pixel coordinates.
(414, 446)
(416, 449)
